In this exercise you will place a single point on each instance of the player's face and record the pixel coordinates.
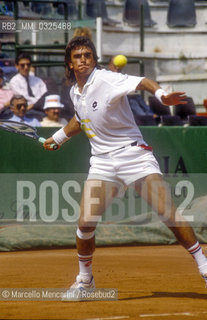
(23, 67)
(19, 107)
(82, 61)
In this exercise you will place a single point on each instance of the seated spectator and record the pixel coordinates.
(18, 106)
(5, 94)
(137, 103)
(29, 86)
(52, 109)
(113, 67)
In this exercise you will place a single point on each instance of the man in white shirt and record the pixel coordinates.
(29, 86)
(120, 156)
(18, 106)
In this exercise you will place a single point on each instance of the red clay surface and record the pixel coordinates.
(153, 282)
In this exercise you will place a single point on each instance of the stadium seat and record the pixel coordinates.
(184, 110)
(72, 8)
(181, 13)
(10, 5)
(168, 120)
(97, 8)
(145, 120)
(131, 13)
(41, 8)
(194, 120)
(157, 107)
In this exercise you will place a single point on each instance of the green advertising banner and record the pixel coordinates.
(41, 190)
(178, 150)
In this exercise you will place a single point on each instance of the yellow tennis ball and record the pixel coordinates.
(120, 61)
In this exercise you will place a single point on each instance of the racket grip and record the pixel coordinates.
(53, 146)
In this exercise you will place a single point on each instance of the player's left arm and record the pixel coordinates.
(168, 99)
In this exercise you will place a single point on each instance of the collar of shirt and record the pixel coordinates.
(22, 77)
(17, 119)
(30, 78)
(88, 83)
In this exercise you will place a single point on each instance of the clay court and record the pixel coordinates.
(153, 282)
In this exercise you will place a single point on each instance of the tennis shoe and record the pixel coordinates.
(203, 272)
(79, 289)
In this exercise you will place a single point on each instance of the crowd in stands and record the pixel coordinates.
(38, 102)
(180, 13)
(27, 98)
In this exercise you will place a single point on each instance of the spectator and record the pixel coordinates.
(83, 32)
(31, 87)
(5, 94)
(52, 110)
(113, 67)
(18, 106)
(138, 106)
(137, 103)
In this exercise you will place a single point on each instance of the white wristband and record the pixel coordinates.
(159, 93)
(60, 137)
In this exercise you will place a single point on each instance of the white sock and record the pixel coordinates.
(85, 265)
(197, 254)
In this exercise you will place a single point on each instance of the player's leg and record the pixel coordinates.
(96, 197)
(154, 190)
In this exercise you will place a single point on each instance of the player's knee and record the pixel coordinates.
(86, 225)
(85, 233)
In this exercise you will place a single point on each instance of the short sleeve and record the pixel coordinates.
(121, 85)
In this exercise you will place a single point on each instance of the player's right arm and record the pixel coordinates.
(64, 134)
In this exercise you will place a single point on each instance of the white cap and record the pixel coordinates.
(52, 101)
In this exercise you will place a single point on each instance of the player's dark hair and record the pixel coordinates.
(16, 97)
(75, 43)
(23, 55)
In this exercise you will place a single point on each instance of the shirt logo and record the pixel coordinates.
(94, 105)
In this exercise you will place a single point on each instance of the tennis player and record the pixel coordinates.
(120, 156)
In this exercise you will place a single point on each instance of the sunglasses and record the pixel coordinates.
(19, 105)
(22, 65)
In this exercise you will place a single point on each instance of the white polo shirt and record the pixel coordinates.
(104, 112)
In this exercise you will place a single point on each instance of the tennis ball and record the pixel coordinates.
(120, 61)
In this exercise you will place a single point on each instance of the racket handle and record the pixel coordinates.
(53, 146)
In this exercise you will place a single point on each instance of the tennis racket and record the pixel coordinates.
(23, 129)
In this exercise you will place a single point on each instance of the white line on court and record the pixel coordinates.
(165, 314)
(187, 314)
(109, 318)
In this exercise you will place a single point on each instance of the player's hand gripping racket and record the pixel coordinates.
(25, 130)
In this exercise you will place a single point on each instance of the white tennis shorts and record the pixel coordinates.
(123, 166)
